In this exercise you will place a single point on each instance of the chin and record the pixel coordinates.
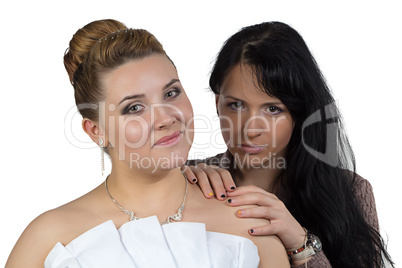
(178, 158)
(173, 158)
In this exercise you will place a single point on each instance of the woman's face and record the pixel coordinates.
(148, 117)
(256, 127)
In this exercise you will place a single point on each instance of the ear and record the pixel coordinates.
(93, 130)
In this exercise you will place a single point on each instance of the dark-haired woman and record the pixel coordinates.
(288, 153)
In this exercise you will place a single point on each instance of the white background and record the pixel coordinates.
(356, 43)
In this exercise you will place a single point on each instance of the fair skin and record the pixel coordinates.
(256, 128)
(144, 103)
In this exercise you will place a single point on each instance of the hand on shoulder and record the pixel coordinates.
(270, 248)
(223, 218)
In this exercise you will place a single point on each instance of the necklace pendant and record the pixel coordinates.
(176, 217)
(131, 216)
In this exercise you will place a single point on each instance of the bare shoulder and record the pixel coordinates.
(37, 240)
(42, 234)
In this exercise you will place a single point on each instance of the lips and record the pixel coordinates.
(252, 149)
(169, 140)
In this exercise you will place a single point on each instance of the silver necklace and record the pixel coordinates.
(176, 217)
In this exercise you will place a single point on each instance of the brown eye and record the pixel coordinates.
(172, 93)
(274, 110)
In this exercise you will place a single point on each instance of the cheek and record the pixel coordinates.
(282, 131)
(187, 111)
(190, 131)
(134, 132)
(187, 118)
(229, 127)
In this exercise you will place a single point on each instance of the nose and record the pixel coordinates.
(163, 117)
(255, 126)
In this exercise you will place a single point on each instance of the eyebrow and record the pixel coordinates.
(267, 103)
(137, 96)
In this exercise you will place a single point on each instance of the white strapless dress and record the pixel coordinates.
(146, 243)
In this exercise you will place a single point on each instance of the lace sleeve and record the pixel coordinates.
(365, 198)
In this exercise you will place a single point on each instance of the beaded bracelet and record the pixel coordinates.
(311, 246)
(300, 248)
(308, 252)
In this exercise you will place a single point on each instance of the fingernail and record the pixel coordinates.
(223, 196)
(194, 180)
(232, 188)
(239, 212)
(251, 231)
(230, 200)
(210, 193)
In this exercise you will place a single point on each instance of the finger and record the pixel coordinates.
(189, 174)
(227, 179)
(260, 199)
(258, 212)
(248, 189)
(289, 241)
(269, 229)
(215, 179)
(203, 182)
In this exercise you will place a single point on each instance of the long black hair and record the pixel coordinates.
(319, 182)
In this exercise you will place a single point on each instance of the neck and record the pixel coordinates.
(146, 193)
(261, 177)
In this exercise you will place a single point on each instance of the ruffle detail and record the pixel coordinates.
(145, 243)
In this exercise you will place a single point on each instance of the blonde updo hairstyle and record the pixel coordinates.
(98, 48)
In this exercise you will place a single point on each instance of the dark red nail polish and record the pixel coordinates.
(230, 201)
(194, 180)
(251, 231)
(223, 196)
(232, 188)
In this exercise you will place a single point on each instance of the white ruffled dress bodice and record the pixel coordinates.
(146, 243)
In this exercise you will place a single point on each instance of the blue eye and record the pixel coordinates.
(274, 110)
(236, 105)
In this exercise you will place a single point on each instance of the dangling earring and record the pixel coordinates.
(102, 155)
